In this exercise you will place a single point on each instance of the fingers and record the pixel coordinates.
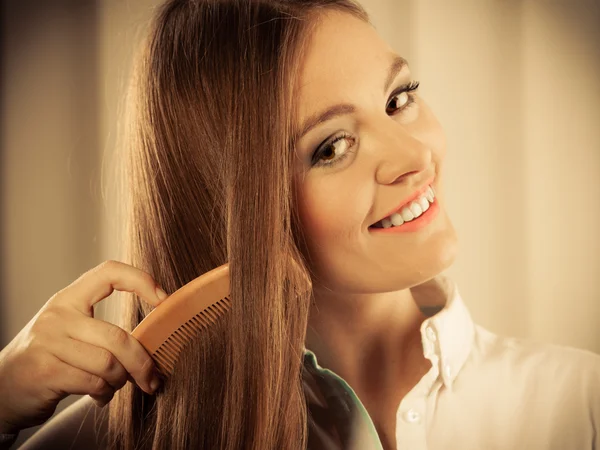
(126, 349)
(102, 401)
(63, 350)
(71, 380)
(99, 282)
(89, 358)
(98, 346)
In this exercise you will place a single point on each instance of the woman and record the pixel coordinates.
(268, 133)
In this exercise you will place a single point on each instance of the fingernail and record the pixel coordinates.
(154, 383)
(161, 294)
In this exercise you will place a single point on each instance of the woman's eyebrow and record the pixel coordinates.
(396, 66)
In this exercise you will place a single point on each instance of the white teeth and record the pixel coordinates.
(416, 209)
(396, 219)
(429, 194)
(410, 212)
(406, 214)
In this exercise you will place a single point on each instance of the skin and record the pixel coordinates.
(365, 320)
(63, 350)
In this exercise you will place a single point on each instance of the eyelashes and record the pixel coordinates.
(327, 149)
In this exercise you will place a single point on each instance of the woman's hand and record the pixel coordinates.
(63, 350)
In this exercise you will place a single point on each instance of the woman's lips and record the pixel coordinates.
(418, 193)
(413, 225)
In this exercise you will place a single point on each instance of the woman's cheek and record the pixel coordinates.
(331, 210)
(318, 218)
(431, 133)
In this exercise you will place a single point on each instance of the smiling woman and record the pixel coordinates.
(375, 155)
(344, 332)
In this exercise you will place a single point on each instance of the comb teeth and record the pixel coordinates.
(167, 354)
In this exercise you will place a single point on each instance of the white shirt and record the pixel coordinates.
(483, 391)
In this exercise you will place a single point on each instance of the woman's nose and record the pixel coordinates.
(399, 153)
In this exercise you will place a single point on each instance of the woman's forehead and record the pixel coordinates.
(344, 55)
(339, 36)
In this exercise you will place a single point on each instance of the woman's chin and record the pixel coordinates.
(438, 257)
(445, 255)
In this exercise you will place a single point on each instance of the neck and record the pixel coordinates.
(369, 340)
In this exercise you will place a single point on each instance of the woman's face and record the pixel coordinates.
(390, 148)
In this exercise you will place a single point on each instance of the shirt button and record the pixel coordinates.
(412, 416)
(431, 334)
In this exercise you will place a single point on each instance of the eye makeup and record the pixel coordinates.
(327, 148)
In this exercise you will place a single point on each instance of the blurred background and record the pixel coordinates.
(516, 85)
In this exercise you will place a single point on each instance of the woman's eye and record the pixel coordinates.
(401, 98)
(337, 149)
(334, 151)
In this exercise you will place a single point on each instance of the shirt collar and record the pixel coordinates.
(447, 335)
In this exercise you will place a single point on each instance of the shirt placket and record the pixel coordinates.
(411, 427)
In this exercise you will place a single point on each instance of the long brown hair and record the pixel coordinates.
(207, 180)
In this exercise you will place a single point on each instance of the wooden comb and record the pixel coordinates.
(192, 308)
